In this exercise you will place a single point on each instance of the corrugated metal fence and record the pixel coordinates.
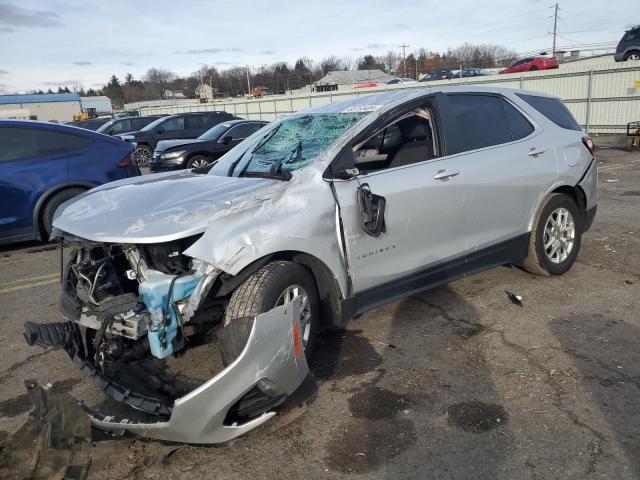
(602, 98)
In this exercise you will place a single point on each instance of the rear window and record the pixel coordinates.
(553, 109)
(520, 126)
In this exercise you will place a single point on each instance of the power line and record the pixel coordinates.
(555, 30)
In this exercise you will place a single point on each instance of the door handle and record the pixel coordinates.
(444, 174)
(534, 152)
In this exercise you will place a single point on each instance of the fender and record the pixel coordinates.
(44, 197)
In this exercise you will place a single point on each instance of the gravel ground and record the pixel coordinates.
(454, 383)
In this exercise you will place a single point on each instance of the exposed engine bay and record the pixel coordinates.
(129, 308)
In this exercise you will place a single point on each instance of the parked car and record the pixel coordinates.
(122, 125)
(531, 64)
(317, 218)
(43, 165)
(629, 46)
(475, 72)
(180, 126)
(440, 75)
(89, 124)
(400, 80)
(204, 150)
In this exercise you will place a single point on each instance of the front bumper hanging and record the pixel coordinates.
(273, 354)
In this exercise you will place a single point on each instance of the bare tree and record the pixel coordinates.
(157, 80)
(331, 64)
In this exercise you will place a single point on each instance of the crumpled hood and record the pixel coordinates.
(154, 208)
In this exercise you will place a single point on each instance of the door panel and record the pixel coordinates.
(504, 182)
(424, 220)
(31, 161)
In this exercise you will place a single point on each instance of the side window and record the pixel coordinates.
(553, 109)
(475, 121)
(138, 124)
(17, 143)
(241, 131)
(197, 121)
(520, 126)
(406, 141)
(172, 124)
(122, 126)
(23, 143)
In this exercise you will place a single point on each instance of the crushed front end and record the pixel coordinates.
(130, 309)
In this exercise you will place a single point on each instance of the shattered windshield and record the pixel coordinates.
(288, 145)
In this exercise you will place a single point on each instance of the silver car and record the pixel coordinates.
(320, 216)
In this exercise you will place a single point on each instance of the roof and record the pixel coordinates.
(39, 98)
(380, 101)
(349, 77)
(83, 132)
(95, 98)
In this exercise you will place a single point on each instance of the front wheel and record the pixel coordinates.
(199, 161)
(143, 154)
(275, 284)
(555, 237)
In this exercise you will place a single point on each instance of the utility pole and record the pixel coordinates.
(248, 81)
(404, 61)
(555, 30)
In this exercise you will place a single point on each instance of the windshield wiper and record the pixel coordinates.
(277, 165)
(276, 176)
(264, 140)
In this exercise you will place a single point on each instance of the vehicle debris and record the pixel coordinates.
(515, 299)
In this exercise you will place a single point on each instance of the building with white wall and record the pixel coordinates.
(101, 103)
(60, 107)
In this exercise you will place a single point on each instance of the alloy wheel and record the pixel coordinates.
(143, 156)
(559, 235)
(287, 296)
(200, 162)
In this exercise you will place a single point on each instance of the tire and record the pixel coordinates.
(199, 161)
(560, 253)
(632, 55)
(260, 293)
(533, 68)
(50, 209)
(143, 154)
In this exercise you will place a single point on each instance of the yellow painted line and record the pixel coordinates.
(612, 167)
(30, 279)
(15, 288)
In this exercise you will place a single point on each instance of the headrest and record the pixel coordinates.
(415, 128)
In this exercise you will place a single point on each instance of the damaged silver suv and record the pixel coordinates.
(320, 216)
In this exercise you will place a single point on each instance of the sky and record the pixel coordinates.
(45, 44)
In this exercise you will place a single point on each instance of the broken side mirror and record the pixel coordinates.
(371, 208)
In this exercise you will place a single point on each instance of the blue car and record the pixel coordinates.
(43, 165)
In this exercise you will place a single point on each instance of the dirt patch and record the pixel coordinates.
(15, 406)
(375, 402)
(362, 446)
(46, 248)
(342, 354)
(65, 386)
(476, 416)
(468, 330)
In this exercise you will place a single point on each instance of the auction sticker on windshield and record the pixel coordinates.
(362, 108)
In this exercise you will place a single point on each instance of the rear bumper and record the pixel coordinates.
(200, 416)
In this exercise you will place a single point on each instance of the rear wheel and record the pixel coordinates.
(634, 55)
(143, 154)
(199, 161)
(275, 284)
(555, 238)
(52, 204)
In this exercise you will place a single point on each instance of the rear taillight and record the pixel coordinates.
(124, 164)
(589, 144)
